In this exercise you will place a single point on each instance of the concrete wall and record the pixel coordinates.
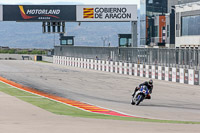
(188, 41)
(173, 74)
(15, 56)
(19, 57)
(47, 59)
(86, 52)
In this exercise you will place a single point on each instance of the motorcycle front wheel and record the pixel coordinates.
(139, 99)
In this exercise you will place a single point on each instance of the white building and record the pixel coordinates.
(187, 25)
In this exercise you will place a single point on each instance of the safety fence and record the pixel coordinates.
(180, 75)
(180, 58)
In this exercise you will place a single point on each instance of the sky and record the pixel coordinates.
(76, 1)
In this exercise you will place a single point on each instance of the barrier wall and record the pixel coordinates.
(187, 76)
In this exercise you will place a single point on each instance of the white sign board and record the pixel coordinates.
(191, 76)
(141, 70)
(182, 75)
(173, 74)
(166, 73)
(160, 73)
(130, 69)
(104, 13)
(1, 13)
(135, 69)
(153, 69)
(147, 71)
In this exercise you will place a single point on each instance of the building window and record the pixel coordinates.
(123, 42)
(64, 42)
(150, 2)
(190, 25)
(70, 41)
(168, 31)
(156, 31)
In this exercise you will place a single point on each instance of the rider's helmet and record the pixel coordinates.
(150, 82)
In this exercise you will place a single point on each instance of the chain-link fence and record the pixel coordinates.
(181, 58)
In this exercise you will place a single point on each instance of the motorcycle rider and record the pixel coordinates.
(149, 85)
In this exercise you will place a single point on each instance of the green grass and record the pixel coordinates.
(62, 109)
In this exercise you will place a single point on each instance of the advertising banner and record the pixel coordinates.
(111, 66)
(166, 73)
(159, 73)
(116, 67)
(76, 62)
(70, 61)
(186, 77)
(65, 61)
(156, 72)
(107, 66)
(120, 67)
(191, 77)
(163, 73)
(59, 60)
(182, 75)
(102, 65)
(104, 13)
(125, 68)
(99, 65)
(170, 74)
(135, 69)
(178, 75)
(95, 65)
(1, 13)
(173, 74)
(131, 70)
(141, 70)
(138, 70)
(73, 61)
(92, 64)
(147, 71)
(85, 63)
(88, 64)
(62, 60)
(144, 71)
(39, 13)
(196, 78)
(153, 72)
(150, 71)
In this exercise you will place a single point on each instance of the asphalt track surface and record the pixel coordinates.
(170, 101)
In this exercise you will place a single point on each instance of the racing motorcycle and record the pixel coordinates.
(140, 95)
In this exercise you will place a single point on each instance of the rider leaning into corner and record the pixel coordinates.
(149, 85)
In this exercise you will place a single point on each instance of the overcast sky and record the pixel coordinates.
(79, 1)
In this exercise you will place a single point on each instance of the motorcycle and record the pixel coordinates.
(140, 95)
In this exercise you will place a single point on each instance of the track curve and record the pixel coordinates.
(170, 101)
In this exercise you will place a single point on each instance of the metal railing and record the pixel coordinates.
(180, 58)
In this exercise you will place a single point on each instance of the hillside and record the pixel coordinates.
(29, 35)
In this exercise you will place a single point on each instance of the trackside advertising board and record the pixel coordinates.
(39, 13)
(1, 13)
(104, 13)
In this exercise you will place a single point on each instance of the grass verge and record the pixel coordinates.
(62, 109)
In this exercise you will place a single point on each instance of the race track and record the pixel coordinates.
(170, 101)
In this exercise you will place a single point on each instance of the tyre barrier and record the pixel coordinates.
(179, 75)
